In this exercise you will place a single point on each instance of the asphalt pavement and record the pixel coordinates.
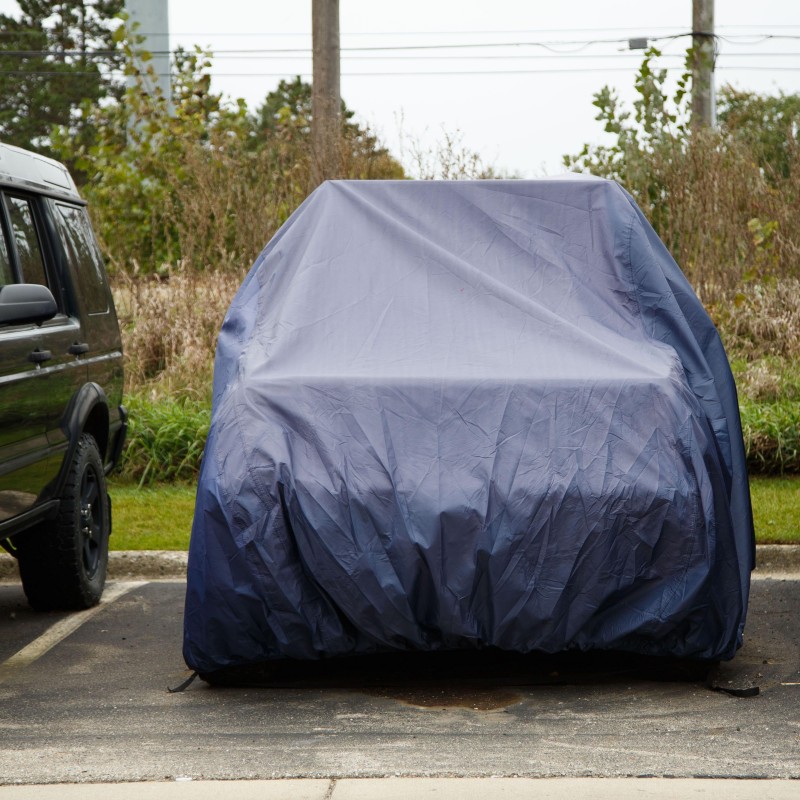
(84, 702)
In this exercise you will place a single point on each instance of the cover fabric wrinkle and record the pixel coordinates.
(468, 414)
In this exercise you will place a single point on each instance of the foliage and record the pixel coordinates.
(761, 332)
(286, 114)
(169, 348)
(725, 214)
(768, 124)
(657, 123)
(185, 202)
(762, 336)
(763, 323)
(287, 106)
(166, 438)
(199, 181)
(139, 167)
(772, 436)
(447, 160)
(170, 324)
(55, 57)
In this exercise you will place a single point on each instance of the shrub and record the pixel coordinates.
(199, 181)
(772, 436)
(727, 216)
(762, 320)
(184, 203)
(166, 438)
(170, 323)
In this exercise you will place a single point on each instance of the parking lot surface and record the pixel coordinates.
(83, 698)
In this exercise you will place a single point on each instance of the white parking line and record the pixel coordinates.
(63, 628)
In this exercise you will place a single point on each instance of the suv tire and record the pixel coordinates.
(63, 562)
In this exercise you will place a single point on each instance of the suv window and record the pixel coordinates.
(6, 273)
(84, 260)
(29, 250)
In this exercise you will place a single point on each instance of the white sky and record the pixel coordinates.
(521, 123)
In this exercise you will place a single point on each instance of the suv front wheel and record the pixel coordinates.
(63, 561)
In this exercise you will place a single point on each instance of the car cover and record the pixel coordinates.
(468, 414)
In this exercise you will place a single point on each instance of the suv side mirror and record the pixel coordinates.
(26, 302)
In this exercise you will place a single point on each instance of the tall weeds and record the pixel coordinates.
(184, 205)
(727, 225)
(166, 439)
(170, 324)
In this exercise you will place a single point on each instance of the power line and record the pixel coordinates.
(403, 53)
(516, 31)
(307, 50)
(397, 74)
(676, 31)
(554, 46)
(626, 56)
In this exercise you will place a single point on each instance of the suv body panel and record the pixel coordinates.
(62, 377)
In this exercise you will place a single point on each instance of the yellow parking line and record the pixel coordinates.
(63, 628)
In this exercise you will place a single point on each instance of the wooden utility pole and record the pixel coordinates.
(325, 94)
(703, 47)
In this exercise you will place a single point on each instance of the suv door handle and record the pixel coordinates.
(78, 349)
(40, 356)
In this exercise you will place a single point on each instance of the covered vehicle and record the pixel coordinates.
(468, 414)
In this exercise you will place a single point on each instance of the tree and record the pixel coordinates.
(56, 57)
(145, 159)
(202, 184)
(769, 125)
(657, 121)
(722, 200)
(286, 114)
(287, 105)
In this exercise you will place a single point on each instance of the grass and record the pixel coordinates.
(166, 439)
(151, 518)
(776, 509)
(160, 517)
(772, 436)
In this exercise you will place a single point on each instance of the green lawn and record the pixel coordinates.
(160, 518)
(776, 509)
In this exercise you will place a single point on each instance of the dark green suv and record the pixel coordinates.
(62, 423)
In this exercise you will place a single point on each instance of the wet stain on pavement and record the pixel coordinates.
(473, 697)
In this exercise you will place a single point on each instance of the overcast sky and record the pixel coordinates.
(537, 105)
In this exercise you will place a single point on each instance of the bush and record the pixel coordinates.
(165, 439)
(772, 436)
(726, 214)
(761, 331)
(184, 203)
(170, 323)
(199, 181)
(762, 321)
(724, 202)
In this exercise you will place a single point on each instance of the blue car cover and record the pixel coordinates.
(468, 414)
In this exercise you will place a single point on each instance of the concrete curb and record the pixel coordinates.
(773, 560)
(149, 564)
(777, 558)
(123, 565)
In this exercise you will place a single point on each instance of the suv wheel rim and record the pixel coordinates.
(91, 528)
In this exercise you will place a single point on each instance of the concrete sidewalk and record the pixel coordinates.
(414, 788)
